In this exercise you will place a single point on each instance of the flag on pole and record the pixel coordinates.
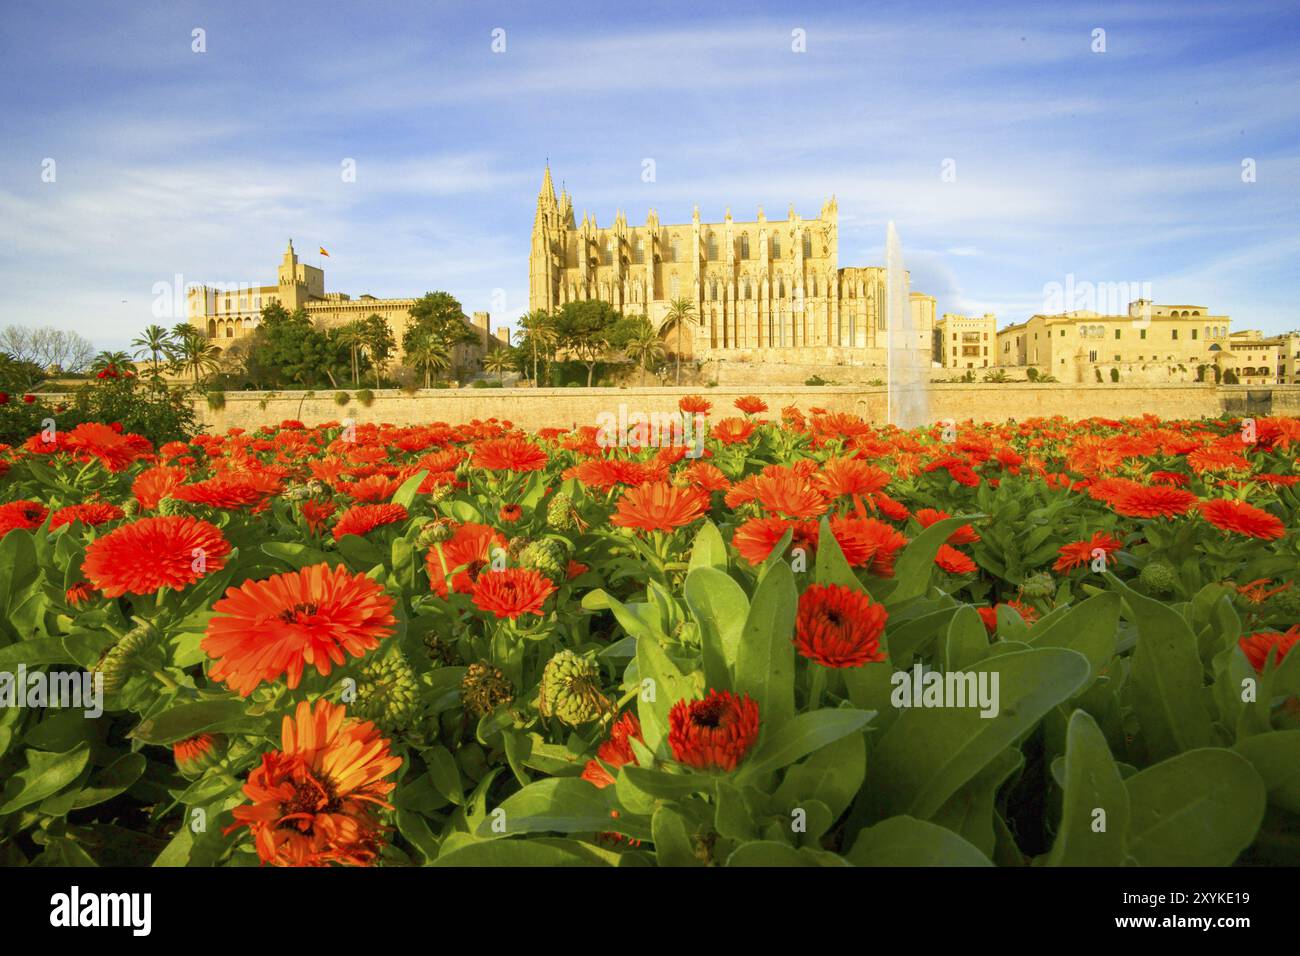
(323, 252)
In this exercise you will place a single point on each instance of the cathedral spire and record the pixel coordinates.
(547, 193)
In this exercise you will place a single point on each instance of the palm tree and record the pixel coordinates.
(118, 360)
(194, 354)
(499, 361)
(429, 353)
(644, 347)
(353, 335)
(155, 342)
(537, 325)
(680, 311)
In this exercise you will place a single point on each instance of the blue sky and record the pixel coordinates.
(1115, 167)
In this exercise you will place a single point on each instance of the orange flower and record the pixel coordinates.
(266, 629)
(614, 752)
(26, 515)
(695, 405)
(92, 513)
(954, 561)
(756, 538)
(989, 615)
(230, 491)
(463, 556)
(839, 627)
(750, 404)
(113, 450)
(510, 513)
(789, 494)
(362, 519)
(316, 513)
(732, 431)
(867, 542)
(509, 454)
(314, 800)
(850, 476)
(1242, 518)
(512, 592)
(1260, 646)
(1078, 553)
(154, 484)
(715, 733)
(659, 506)
(152, 553)
(79, 594)
(963, 535)
(1141, 501)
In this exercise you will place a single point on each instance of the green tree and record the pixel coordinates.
(643, 345)
(377, 340)
(290, 345)
(158, 344)
(427, 353)
(583, 330)
(118, 360)
(194, 354)
(351, 337)
(437, 317)
(499, 360)
(680, 311)
(539, 334)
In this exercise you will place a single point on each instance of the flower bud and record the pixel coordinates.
(570, 690)
(485, 687)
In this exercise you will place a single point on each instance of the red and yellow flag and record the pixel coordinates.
(323, 252)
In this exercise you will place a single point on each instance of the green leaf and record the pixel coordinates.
(832, 775)
(296, 554)
(1092, 782)
(186, 720)
(720, 607)
(405, 495)
(45, 775)
(1200, 808)
(915, 565)
(445, 774)
(522, 853)
(667, 688)
(709, 550)
(831, 567)
(112, 780)
(1091, 628)
(970, 811)
(561, 805)
(771, 853)
(1168, 679)
(663, 785)
(765, 659)
(1276, 758)
(801, 736)
(34, 652)
(929, 753)
(673, 845)
(907, 841)
(967, 642)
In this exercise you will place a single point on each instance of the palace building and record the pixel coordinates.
(226, 315)
(762, 291)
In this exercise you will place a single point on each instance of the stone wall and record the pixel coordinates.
(566, 407)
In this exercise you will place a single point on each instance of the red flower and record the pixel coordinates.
(512, 592)
(79, 594)
(1260, 646)
(509, 454)
(756, 538)
(695, 405)
(867, 542)
(989, 615)
(25, 515)
(316, 513)
(92, 513)
(152, 553)
(463, 557)
(114, 450)
(750, 404)
(732, 431)
(963, 535)
(362, 519)
(510, 513)
(1078, 553)
(1242, 518)
(850, 476)
(659, 506)
(29, 399)
(715, 733)
(314, 800)
(954, 561)
(839, 627)
(614, 752)
(230, 491)
(1142, 501)
(154, 484)
(267, 629)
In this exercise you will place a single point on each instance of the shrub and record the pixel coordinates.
(1031, 373)
(216, 400)
(815, 380)
(366, 397)
(1114, 375)
(342, 398)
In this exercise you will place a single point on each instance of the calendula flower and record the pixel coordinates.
(362, 519)
(276, 627)
(1155, 501)
(1241, 518)
(512, 592)
(614, 752)
(509, 454)
(837, 626)
(153, 553)
(21, 514)
(92, 513)
(1263, 645)
(715, 733)
(1078, 553)
(659, 506)
(313, 801)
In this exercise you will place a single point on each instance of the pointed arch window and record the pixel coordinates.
(776, 247)
(711, 248)
(744, 248)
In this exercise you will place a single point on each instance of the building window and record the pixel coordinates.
(1142, 333)
(638, 252)
(807, 246)
(675, 287)
(776, 247)
(711, 247)
(1194, 333)
(675, 250)
(744, 247)
(1117, 334)
(1092, 355)
(1174, 334)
